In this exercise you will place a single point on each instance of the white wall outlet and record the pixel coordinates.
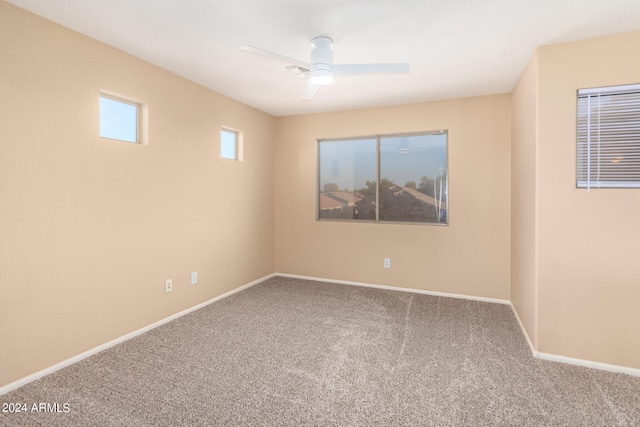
(168, 285)
(387, 263)
(194, 277)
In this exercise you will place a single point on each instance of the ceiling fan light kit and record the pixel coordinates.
(321, 70)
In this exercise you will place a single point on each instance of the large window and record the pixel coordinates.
(119, 119)
(391, 178)
(608, 137)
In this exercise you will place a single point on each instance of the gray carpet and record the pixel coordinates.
(293, 352)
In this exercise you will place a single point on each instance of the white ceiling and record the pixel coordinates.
(456, 48)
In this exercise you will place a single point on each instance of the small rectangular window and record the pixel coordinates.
(119, 119)
(393, 178)
(229, 144)
(608, 137)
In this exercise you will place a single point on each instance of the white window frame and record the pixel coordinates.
(237, 143)
(378, 179)
(139, 117)
(608, 137)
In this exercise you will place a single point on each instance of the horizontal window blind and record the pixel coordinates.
(608, 137)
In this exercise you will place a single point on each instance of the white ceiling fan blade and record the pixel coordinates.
(300, 72)
(354, 69)
(273, 55)
(321, 70)
(310, 91)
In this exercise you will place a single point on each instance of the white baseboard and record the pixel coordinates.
(545, 356)
(23, 381)
(534, 352)
(572, 360)
(589, 364)
(395, 288)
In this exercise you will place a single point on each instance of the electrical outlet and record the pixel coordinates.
(168, 285)
(387, 263)
(194, 277)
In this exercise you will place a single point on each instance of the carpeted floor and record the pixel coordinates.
(293, 352)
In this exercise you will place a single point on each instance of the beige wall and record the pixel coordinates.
(589, 274)
(523, 197)
(91, 228)
(470, 256)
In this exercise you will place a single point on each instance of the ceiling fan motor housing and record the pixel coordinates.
(321, 72)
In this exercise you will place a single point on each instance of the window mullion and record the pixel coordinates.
(378, 179)
(598, 130)
(589, 143)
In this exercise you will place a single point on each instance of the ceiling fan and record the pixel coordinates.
(321, 70)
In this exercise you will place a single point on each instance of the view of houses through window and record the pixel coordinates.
(394, 178)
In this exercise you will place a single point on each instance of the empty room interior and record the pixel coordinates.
(250, 207)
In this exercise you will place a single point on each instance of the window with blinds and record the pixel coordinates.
(608, 137)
